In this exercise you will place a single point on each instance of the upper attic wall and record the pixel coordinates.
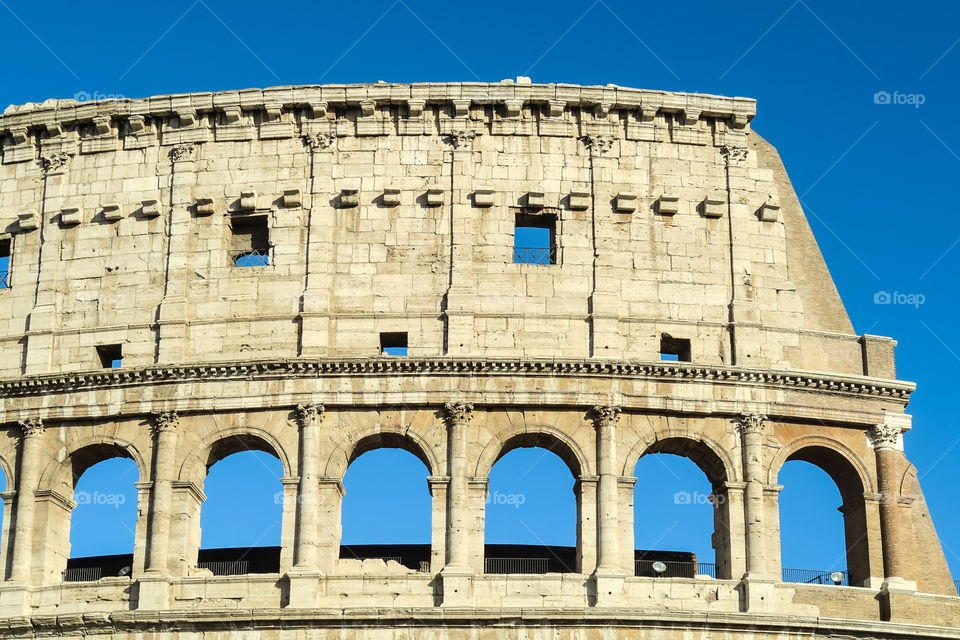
(392, 208)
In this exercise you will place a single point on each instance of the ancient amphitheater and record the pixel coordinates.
(194, 275)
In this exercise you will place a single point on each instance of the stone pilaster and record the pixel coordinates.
(457, 573)
(154, 583)
(31, 444)
(459, 310)
(305, 574)
(609, 574)
(887, 441)
(757, 583)
(314, 314)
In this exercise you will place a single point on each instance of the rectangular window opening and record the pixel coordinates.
(535, 239)
(675, 349)
(393, 343)
(5, 263)
(250, 241)
(111, 356)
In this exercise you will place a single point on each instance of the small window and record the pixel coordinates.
(250, 241)
(111, 356)
(393, 344)
(675, 349)
(5, 264)
(535, 239)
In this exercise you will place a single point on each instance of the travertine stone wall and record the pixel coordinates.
(391, 208)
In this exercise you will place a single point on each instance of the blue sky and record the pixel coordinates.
(877, 180)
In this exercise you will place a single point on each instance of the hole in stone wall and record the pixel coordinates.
(535, 239)
(676, 349)
(393, 343)
(5, 263)
(250, 241)
(111, 355)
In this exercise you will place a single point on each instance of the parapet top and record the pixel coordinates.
(318, 98)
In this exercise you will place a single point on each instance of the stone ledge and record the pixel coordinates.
(309, 368)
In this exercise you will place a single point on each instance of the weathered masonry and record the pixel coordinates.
(609, 272)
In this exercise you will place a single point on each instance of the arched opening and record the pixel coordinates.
(681, 520)
(386, 512)
(103, 524)
(822, 494)
(241, 518)
(87, 514)
(533, 509)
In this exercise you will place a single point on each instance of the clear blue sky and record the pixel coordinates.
(878, 181)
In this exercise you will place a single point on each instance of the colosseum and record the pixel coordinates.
(188, 276)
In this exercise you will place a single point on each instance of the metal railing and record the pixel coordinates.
(516, 565)
(535, 255)
(707, 569)
(253, 258)
(673, 569)
(811, 576)
(4, 279)
(424, 566)
(226, 567)
(956, 585)
(82, 574)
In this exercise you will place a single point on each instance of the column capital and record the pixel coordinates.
(605, 415)
(310, 414)
(166, 421)
(750, 423)
(457, 413)
(31, 427)
(886, 436)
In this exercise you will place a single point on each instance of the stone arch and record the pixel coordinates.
(719, 468)
(552, 439)
(226, 442)
(343, 456)
(845, 467)
(58, 480)
(715, 462)
(853, 480)
(7, 473)
(87, 453)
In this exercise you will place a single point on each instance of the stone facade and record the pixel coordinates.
(391, 209)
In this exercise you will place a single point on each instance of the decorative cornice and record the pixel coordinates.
(319, 141)
(751, 423)
(182, 152)
(861, 386)
(310, 414)
(733, 155)
(31, 427)
(455, 413)
(604, 416)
